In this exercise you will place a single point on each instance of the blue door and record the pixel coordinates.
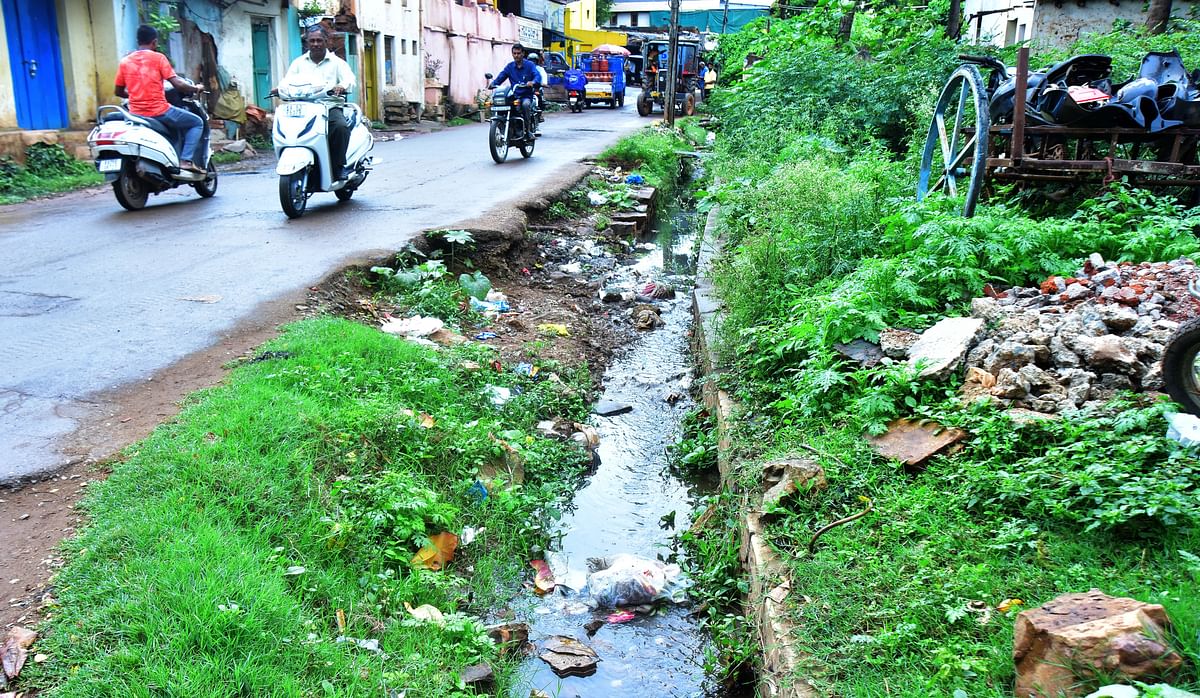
(33, 52)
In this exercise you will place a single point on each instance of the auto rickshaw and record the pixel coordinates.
(654, 76)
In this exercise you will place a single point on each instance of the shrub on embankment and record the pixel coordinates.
(825, 245)
(228, 551)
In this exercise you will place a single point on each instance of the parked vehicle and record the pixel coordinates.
(556, 66)
(140, 156)
(508, 127)
(1180, 370)
(654, 76)
(302, 147)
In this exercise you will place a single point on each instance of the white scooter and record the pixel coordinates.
(302, 146)
(140, 156)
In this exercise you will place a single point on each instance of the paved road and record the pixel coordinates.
(91, 296)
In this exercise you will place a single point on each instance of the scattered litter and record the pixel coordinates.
(424, 612)
(1184, 428)
(498, 395)
(469, 534)
(526, 370)
(658, 290)
(595, 198)
(569, 657)
(543, 582)
(586, 435)
(620, 617)
(483, 336)
(635, 179)
(485, 307)
(571, 268)
(14, 650)
(608, 408)
(439, 551)
(294, 571)
(415, 326)
(554, 328)
(371, 645)
(913, 442)
(646, 318)
(478, 491)
(627, 580)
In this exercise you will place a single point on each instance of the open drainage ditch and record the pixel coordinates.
(632, 505)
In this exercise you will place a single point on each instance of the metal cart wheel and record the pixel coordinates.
(955, 157)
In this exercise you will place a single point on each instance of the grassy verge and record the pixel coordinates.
(228, 551)
(825, 244)
(48, 170)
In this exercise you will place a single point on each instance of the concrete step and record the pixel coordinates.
(13, 143)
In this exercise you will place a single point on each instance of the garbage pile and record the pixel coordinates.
(1073, 341)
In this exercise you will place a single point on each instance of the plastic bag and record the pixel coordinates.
(626, 580)
(231, 106)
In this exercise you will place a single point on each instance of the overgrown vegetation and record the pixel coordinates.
(814, 172)
(229, 552)
(48, 169)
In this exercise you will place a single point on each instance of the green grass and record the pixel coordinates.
(314, 457)
(225, 158)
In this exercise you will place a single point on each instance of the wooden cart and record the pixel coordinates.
(956, 161)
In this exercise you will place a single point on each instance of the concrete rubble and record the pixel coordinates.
(1072, 342)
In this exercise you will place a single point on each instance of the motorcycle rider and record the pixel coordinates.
(524, 78)
(536, 60)
(319, 66)
(140, 78)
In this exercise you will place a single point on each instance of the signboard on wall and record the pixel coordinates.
(529, 32)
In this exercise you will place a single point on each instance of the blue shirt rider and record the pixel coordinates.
(524, 78)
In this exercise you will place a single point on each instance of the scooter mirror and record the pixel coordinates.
(488, 76)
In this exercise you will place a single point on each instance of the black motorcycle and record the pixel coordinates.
(508, 127)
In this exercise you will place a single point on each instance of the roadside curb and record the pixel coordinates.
(769, 583)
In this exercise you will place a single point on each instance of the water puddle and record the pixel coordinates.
(632, 503)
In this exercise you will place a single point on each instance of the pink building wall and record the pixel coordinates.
(470, 40)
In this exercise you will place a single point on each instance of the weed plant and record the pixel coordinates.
(48, 169)
(223, 549)
(651, 153)
(824, 244)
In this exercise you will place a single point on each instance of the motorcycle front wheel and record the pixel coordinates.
(498, 141)
(131, 192)
(293, 193)
(527, 147)
(1179, 370)
(208, 187)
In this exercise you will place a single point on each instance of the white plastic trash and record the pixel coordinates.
(1184, 428)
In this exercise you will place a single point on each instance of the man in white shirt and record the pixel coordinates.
(321, 67)
(536, 60)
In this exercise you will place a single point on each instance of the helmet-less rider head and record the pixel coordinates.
(140, 78)
(524, 78)
(320, 66)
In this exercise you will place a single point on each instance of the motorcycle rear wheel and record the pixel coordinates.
(130, 191)
(293, 194)
(498, 141)
(1179, 369)
(208, 187)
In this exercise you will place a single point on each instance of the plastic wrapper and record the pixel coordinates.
(627, 580)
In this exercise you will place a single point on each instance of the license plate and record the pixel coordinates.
(293, 110)
(112, 165)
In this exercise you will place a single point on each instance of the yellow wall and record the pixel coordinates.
(8, 100)
(579, 20)
(79, 61)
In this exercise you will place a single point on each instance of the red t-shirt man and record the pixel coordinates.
(140, 77)
(141, 73)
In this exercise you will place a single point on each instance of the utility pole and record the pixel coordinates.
(672, 62)
(725, 17)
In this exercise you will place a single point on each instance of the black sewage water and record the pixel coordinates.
(628, 504)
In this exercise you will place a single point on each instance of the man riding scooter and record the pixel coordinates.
(140, 78)
(319, 66)
(525, 79)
